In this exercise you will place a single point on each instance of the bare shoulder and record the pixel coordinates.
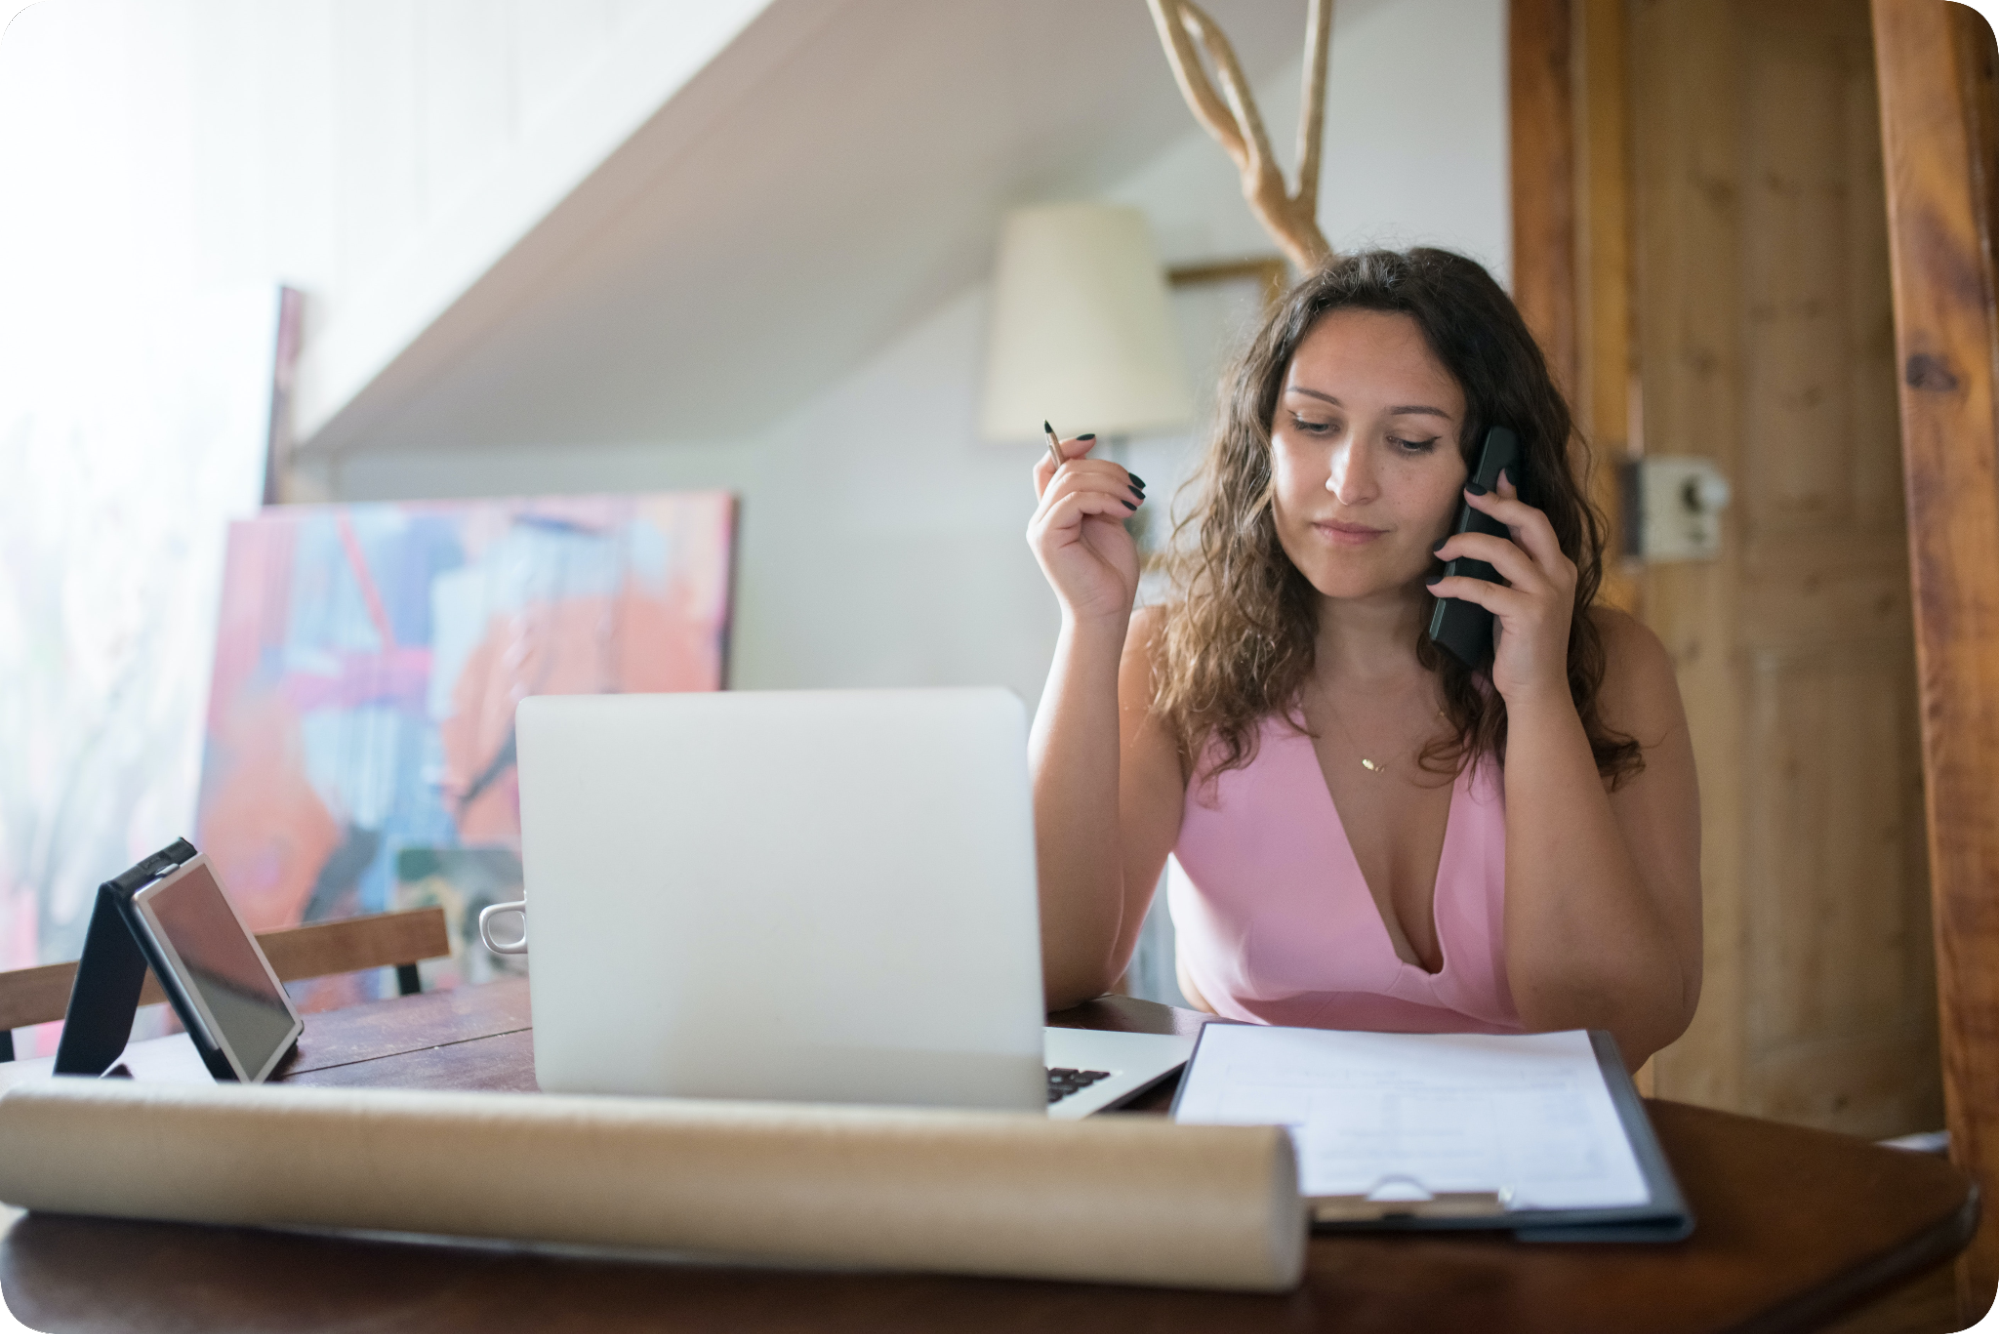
(1640, 694)
(1628, 643)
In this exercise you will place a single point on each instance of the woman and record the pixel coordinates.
(1373, 835)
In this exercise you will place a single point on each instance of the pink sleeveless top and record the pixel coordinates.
(1275, 923)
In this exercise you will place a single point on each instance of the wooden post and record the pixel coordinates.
(1571, 229)
(1542, 134)
(1938, 108)
(1606, 363)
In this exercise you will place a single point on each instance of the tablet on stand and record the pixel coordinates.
(169, 912)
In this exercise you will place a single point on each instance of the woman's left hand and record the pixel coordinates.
(1532, 609)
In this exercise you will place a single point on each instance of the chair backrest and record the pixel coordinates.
(376, 941)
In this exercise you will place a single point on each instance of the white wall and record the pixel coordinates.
(332, 136)
(1415, 146)
(882, 540)
(382, 154)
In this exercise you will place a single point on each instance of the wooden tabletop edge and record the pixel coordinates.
(1877, 1276)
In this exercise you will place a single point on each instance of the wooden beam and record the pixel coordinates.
(1605, 361)
(1572, 276)
(1572, 249)
(1939, 110)
(1603, 272)
(1541, 98)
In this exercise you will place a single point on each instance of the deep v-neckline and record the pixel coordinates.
(1381, 909)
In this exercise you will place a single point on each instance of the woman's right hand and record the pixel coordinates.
(1078, 532)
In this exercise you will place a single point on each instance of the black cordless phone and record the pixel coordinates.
(1466, 628)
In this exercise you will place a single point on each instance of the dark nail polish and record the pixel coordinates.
(1138, 481)
(1433, 581)
(1126, 504)
(1475, 489)
(1087, 435)
(1438, 545)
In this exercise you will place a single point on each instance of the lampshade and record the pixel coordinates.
(1081, 332)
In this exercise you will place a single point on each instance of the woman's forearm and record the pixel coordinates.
(1586, 946)
(1074, 756)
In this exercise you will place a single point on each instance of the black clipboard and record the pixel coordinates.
(1663, 1217)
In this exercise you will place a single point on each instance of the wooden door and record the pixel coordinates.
(1731, 299)
(1765, 339)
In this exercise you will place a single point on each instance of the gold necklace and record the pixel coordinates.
(1371, 766)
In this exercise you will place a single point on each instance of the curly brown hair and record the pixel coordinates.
(1237, 642)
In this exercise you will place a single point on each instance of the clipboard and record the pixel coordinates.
(1401, 1203)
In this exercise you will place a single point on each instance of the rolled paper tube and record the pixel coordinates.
(1121, 1199)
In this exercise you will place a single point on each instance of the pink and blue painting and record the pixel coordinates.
(360, 749)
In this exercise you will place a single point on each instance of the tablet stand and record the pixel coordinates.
(104, 1000)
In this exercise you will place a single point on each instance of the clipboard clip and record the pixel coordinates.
(1398, 1196)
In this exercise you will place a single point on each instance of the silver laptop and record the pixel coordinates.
(811, 895)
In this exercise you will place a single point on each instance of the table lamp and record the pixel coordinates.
(1081, 332)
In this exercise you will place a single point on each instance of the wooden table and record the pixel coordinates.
(1796, 1228)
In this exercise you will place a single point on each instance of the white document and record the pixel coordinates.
(1384, 1114)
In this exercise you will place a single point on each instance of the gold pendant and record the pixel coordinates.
(1369, 764)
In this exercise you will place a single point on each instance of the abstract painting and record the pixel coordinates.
(360, 747)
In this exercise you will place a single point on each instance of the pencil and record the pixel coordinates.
(1054, 444)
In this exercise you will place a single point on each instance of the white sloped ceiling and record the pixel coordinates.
(811, 177)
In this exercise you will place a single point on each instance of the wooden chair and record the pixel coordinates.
(375, 941)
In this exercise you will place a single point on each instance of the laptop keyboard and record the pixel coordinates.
(1065, 1080)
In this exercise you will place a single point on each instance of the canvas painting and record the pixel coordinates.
(360, 747)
